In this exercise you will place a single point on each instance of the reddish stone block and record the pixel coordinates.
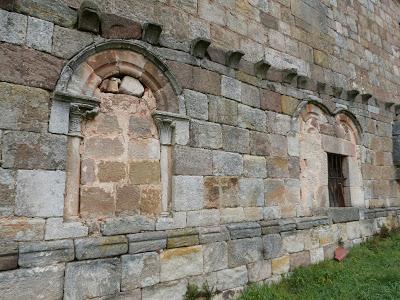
(340, 253)
(271, 101)
(96, 202)
(206, 81)
(29, 67)
(299, 259)
(111, 171)
(116, 27)
(144, 172)
(150, 200)
(128, 199)
(221, 192)
(183, 73)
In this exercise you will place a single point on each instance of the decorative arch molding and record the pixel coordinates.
(77, 97)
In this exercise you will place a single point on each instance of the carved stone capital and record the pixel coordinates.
(166, 123)
(77, 113)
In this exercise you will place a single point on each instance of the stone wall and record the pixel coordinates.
(216, 170)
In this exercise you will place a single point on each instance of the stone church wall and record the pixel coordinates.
(134, 162)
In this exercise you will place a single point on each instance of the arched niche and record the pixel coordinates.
(320, 134)
(119, 105)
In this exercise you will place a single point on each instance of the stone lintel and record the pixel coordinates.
(344, 214)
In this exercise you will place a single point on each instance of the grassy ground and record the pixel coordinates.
(370, 271)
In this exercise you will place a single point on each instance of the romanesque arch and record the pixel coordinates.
(119, 105)
(320, 134)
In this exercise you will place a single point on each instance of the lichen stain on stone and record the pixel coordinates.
(169, 254)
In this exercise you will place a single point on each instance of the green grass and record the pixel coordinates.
(370, 271)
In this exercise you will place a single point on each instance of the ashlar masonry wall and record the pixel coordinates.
(130, 169)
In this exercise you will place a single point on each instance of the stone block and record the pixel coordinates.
(221, 191)
(251, 118)
(128, 224)
(17, 64)
(67, 42)
(145, 242)
(29, 150)
(7, 189)
(231, 278)
(96, 202)
(144, 172)
(250, 95)
(232, 215)
(272, 245)
(231, 88)
(206, 81)
(140, 270)
(178, 220)
(79, 283)
(251, 192)
(271, 101)
(254, 166)
(181, 262)
(128, 200)
(292, 242)
(196, 104)
(281, 265)
(114, 171)
(277, 167)
(21, 229)
(253, 213)
(300, 259)
(259, 270)
(221, 110)
(56, 11)
(192, 161)
(39, 34)
(57, 229)
(274, 191)
(227, 164)
(344, 214)
(215, 256)
(205, 135)
(316, 255)
(259, 143)
(168, 290)
(235, 139)
(182, 238)
(353, 230)
(188, 192)
(279, 145)
(98, 247)
(117, 27)
(213, 234)
(41, 254)
(8, 256)
(205, 217)
(18, 112)
(244, 230)
(40, 193)
(244, 251)
(12, 27)
(41, 283)
(289, 105)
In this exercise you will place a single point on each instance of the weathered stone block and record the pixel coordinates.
(254, 166)
(129, 224)
(271, 101)
(192, 161)
(145, 242)
(251, 192)
(21, 229)
(39, 34)
(41, 283)
(205, 135)
(188, 192)
(231, 88)
(178, 220)
(17, 64)
(40, 193)
(235, 139)
(181, 262)
(18, 112)
(206, 81)
(221, 191)
(244, 251)
(98, 247)
(168, 290)
(259, 143)
(7, 189)
(316, 255)
(56, 229)
(213, 234)
(196, 104)
(251, 118)
(244, 230)
(79, 283)
(227, 164)
(259, 270)
(41, 254)
(28, 150)
(8, 256)
(299, 259)
(182, 238)
(353, 230)
(277, 167)
(117, 27)
(205, 217)
(221, 110)
(215, 256)
(250, 95)
(12, 27)
(140, 270)
(344, 214)
(231, 278)
(281, 265)
(95, 202)
(67, 42)
(144, 172)
(289, 105)
(232, 215)
(272, 244)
